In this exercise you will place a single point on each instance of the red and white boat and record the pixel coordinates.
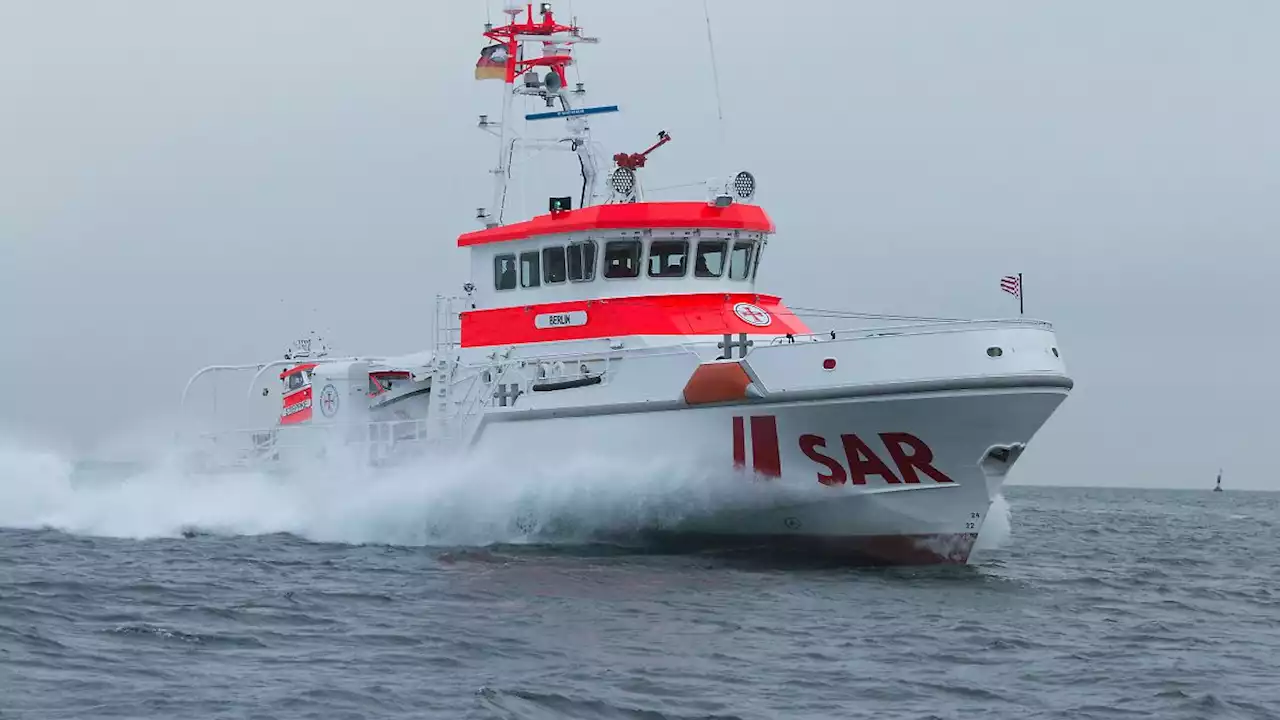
(634, 328)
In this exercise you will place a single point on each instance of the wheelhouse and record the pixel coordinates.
(686, 250)
(617, 270)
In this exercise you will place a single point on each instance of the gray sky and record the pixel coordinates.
(183, 184)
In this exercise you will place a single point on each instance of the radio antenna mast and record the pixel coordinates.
(715, 78)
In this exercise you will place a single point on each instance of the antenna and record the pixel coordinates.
(715, 79)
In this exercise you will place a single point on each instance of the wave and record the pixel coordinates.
(449, 502)
(527, 705)
(445, 501)
(998, 528)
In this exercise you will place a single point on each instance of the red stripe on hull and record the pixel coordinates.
(765, 455)
(863, 550)
(624, 216)
(739, 444)
(701, 314)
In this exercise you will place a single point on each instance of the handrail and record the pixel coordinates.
(314, 429)
(211, 368)
(689, 348)
(262, 367)
(319, 361)
(851, 314)
(682, 348)
(922, 328)
(501, 366)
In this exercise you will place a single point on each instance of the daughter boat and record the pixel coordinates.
(633, 328)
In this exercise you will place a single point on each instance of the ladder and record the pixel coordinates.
(447, 324)
(456, 401)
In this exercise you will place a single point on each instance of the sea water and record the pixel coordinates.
(149, 593)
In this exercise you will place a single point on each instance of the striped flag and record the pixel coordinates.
(1012, 284)
(492, 64)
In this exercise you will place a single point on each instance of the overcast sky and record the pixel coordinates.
(185, 183)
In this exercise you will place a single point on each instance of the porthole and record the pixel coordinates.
(994, 352)
(1055, 352)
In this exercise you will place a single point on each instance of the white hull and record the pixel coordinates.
(893, 455)
(881, 520)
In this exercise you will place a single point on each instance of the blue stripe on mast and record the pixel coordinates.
(571, 113)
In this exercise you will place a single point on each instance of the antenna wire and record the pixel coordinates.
(715, 77)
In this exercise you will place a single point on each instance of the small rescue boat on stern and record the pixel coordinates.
(632, 326)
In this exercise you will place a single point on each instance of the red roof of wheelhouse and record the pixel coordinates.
(628, 216)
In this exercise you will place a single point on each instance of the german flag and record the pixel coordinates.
(492, 64)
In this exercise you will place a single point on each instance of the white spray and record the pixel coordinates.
(998, 528)
(452, 502)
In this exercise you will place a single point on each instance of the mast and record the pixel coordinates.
(556, 40)
(553, 43)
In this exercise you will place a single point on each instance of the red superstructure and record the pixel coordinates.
(617, 266)
(660, 315)
(630, 216)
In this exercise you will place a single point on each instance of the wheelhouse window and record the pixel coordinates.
(582, 261)
(529, 269)
(668, 258)
(622, 259)
(710, 260)
(504, 272)
(296, 380)
(553, 265)
(740, 261)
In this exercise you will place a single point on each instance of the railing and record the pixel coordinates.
(923, 326)
(376, 441)
(447, 424)
(446, 333)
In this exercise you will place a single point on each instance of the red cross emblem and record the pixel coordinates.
(329, 400)
(752, 314)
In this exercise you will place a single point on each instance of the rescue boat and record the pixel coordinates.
(633, 327)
